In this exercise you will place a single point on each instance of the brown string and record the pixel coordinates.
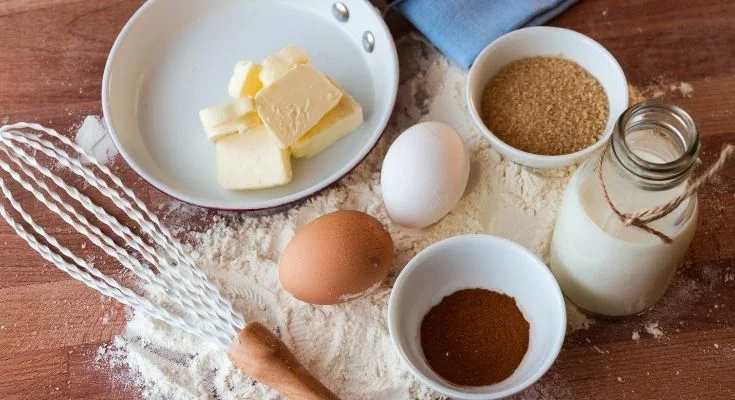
(643, 218)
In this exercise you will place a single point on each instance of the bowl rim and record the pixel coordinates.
(538, 160)
(261, 205)
(417, 261)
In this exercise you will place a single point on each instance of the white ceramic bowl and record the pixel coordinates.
(555, 42)
(175, 57)
(478, 261)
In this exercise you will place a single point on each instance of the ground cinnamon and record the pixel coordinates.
(475, 337)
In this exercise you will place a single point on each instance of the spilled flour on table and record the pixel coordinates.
(347, 346)
(94, 138)
(662, 88)
(653, 329)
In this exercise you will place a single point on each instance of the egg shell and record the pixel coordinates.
(336, 258)
(424, 174)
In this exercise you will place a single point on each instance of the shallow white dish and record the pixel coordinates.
(175, 57)
(478, 261)
(554, 42)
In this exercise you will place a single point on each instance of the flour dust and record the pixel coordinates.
(347, 346)
(94, 138)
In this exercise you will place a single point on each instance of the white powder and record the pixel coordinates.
(685, 89)
(522, 203)
(661, 87)
(636, 335)
(576, 319)
(347, 346)
(653, 329)
(352, 296)
(94, 138)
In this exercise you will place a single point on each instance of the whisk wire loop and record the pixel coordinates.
(189, 293)
(83, 226)
(191, 279)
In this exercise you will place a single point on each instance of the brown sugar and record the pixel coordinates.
(545, 106)
(475, 337)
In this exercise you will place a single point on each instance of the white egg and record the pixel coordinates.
(424, 174)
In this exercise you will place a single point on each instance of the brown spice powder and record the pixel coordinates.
(546, 106)
(475, 337)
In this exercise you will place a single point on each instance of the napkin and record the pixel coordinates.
(462, 28)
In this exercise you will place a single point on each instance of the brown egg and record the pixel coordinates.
(336, 258)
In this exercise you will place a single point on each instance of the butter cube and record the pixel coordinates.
(229, 118)
(234, 126)
(343, 119)
(213, 116)
(245, 81)
(296, 102)
(279, 63)
(252, 160)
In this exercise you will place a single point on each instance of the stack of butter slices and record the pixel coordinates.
(283, 107)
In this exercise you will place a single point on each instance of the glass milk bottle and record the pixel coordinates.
(602, 265)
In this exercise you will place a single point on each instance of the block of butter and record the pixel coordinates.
(213, 116)
(229, 118)
(343, 119)
(293, 104)
(279, 63)
(252, 160)
(234, 126)
(245, 81)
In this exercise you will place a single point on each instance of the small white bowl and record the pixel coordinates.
(554, 42)
(487, 262)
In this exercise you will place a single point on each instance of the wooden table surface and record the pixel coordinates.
(52, 56)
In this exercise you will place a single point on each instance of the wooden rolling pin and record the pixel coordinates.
(264, 357)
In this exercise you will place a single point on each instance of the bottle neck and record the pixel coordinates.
(654, 145)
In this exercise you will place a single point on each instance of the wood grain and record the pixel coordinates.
(54, 53)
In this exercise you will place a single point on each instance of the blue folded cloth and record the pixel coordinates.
(462, 28)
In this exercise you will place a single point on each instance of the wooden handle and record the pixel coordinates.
(264, 357)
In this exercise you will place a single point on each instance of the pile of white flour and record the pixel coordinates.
(347, 346)
(94, 138)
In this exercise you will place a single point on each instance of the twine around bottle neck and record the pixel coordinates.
(643, 218)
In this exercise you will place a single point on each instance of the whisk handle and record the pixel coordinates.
(264, 357)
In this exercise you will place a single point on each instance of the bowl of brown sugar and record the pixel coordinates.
(477, 317)
(546, 97)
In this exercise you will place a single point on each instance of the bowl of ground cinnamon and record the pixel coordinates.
(477, 317)
(546, 97)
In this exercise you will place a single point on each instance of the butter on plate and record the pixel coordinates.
(228, 119)
(284, 107)
(245, 81)
(276, 65)
(343, 119)
(296, 102)
(252, 160)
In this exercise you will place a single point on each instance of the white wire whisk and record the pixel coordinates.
(168, 267)
(153, 256)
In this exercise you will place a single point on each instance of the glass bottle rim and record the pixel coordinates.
(673, 171)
